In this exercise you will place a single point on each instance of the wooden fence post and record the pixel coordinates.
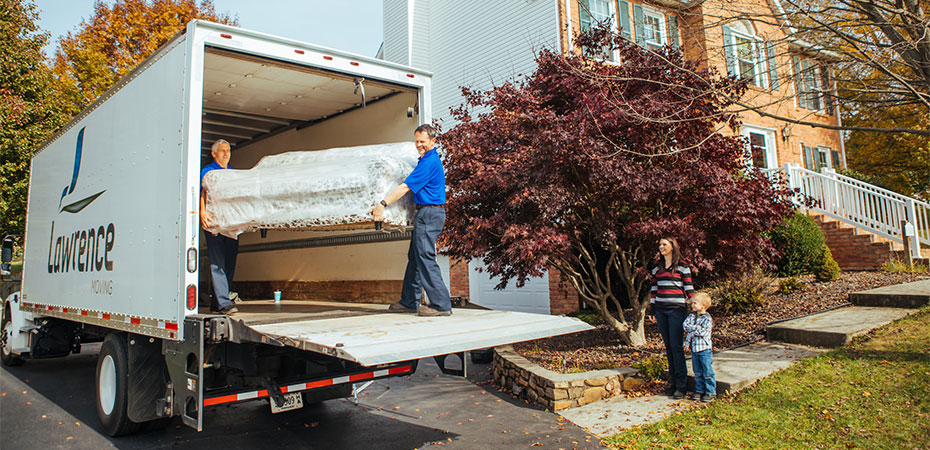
(907, 245)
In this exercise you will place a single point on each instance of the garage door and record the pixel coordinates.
(533, 297)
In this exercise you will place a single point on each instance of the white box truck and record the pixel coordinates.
(113, 253)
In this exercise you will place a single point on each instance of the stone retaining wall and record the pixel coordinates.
(558, 391)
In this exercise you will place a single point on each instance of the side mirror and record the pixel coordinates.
(7, 253)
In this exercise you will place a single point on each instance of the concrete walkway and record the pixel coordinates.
(735, 369)
(739, 368)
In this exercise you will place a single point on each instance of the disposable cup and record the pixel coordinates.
(277, 296)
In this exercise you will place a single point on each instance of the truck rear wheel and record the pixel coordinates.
(6, 341)
(112, 386)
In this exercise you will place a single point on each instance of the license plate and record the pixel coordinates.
(291, 401)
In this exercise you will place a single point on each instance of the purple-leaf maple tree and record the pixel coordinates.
(583, 166)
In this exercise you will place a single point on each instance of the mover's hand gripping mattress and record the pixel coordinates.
(312, 190)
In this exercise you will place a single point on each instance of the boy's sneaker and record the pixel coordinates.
(670, 390)
(678, 395)
(707, 398)
(695, 396)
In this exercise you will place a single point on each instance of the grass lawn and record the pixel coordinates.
(872, 394)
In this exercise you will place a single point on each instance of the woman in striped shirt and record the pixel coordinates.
(671, 289)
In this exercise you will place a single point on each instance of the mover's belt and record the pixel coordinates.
(429, 206)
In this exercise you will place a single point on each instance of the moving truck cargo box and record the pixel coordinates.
(113, 247)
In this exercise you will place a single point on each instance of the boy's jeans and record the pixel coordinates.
(704, 381)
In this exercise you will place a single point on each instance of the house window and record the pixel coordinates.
(809, 81)
(757, 149)
(744, 53)
(816, 158)
(600, 14)
(653, 27)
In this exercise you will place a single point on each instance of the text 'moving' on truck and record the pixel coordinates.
(113, 249)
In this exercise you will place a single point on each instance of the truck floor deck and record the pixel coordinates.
(370, 335)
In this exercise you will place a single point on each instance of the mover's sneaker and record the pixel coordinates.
(397, 307)
(426, 311)
(229, 310)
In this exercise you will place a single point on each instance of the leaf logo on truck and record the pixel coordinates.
(77, 206)
(86, 249)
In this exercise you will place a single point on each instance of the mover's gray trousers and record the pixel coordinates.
(422, 269)
(223, 252)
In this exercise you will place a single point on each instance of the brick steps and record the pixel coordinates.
(852, 248)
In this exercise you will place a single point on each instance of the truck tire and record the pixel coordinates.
(112, 387)
(6, 344)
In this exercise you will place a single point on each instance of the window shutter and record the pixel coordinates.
(809, 157)
(827, 87)
(773, 66)
(625, 19)
(728, 51)
(584, 10)
(837, 164)
(799, 82)
(639, 24)
(673, 31)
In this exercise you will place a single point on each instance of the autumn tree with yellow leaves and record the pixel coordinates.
(115, 39)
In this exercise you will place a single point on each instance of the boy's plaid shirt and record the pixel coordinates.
(698, 328)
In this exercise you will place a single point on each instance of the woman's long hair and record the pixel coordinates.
(676, 252)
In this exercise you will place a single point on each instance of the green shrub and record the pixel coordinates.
(789, 285)
(652, 368)
(588, 316)
(899, 266)
(826, 268)
(799, 240)
(741, 293)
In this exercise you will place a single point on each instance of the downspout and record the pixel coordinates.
(568, 25)
(839, 123)
(410, 6)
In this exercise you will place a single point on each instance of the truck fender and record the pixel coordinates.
(22, 324)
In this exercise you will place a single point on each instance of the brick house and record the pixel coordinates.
(480, 44)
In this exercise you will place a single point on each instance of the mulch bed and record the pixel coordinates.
(601, 348)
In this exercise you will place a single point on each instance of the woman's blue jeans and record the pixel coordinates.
(673, 334)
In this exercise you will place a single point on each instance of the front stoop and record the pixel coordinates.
(907, 295)
(833, 328)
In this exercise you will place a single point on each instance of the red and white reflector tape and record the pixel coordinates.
(262, 393)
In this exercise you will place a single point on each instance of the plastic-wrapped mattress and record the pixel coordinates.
(312, 190)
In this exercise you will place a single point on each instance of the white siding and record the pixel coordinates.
(394, 48)
(484, 43)
(478, 43)
(421, 33)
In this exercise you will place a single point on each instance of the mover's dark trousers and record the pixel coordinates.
(422, 269)
(223, 252)
(670, 324)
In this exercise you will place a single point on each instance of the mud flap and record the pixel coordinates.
(147, 382)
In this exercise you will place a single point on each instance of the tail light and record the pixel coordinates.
(191, 297)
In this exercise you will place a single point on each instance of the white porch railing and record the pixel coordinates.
(862, 205)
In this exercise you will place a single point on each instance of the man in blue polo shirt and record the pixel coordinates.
(428, 184)
(222, 250)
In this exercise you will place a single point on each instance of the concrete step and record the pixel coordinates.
(833, 328)
(907, 295)
(739, 368)
(734, 370)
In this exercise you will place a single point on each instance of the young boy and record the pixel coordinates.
(698, 326)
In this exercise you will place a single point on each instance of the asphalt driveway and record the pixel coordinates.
(49, 404)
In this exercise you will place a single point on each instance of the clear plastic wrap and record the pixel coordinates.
(312, 190)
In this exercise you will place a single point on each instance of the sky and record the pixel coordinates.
(351, 25)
